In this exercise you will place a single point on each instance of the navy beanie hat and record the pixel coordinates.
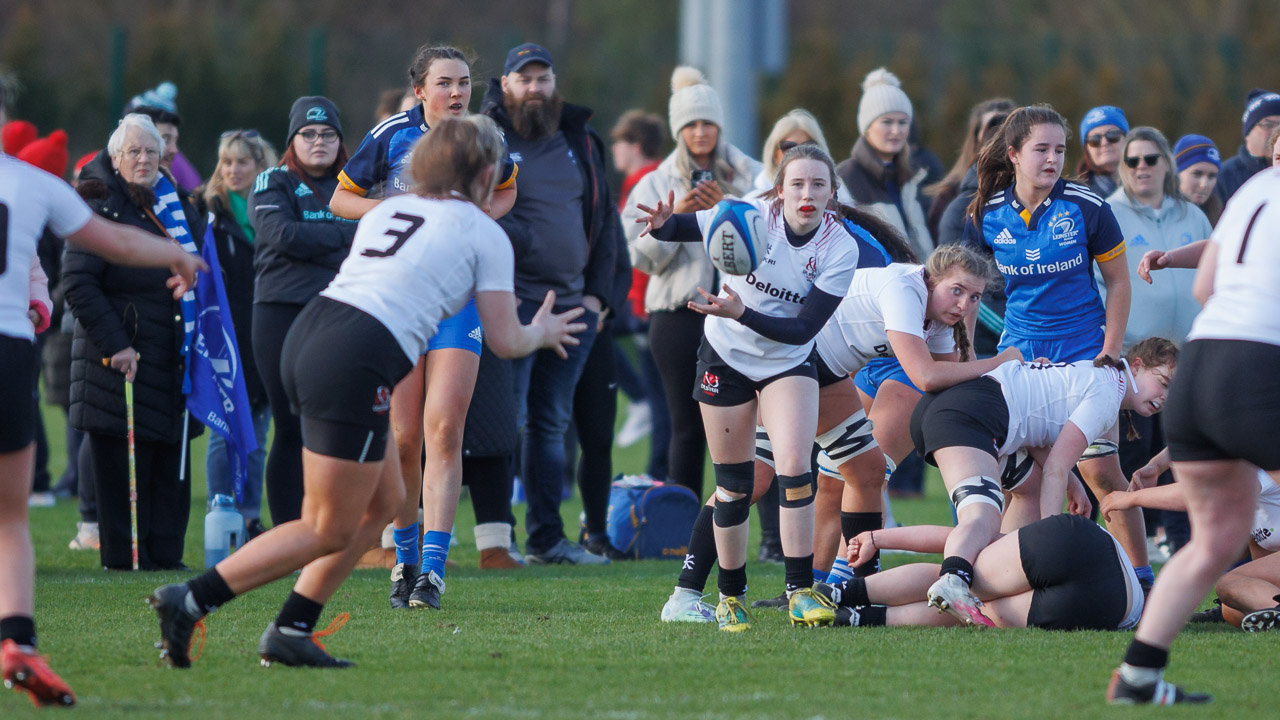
(1103, 115)
(1261, 103)
(312, 110)
(1192, 149)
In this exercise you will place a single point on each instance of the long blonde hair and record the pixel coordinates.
(798, 119)
(247, 142)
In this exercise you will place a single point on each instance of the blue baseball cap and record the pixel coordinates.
(522, 55)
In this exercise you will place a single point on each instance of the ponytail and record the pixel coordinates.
(995, 169)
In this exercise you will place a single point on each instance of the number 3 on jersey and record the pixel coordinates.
(401, 235)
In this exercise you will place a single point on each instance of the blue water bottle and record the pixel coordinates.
(223, 530)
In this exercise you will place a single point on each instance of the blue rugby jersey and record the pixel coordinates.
(1045, 257)
(381, 164)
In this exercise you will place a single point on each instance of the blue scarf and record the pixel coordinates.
(168, 210)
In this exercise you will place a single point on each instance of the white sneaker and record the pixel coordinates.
(1157, 552)
(636, 427)
(686, 605)
(950, 594)
(41, 500)
(86, 537)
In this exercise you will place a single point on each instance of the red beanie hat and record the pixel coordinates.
(48, 153)
(16, 135)
(84, 160)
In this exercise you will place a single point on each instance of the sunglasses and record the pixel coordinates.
(1148, 160)
(786, 145)
(1111, 136)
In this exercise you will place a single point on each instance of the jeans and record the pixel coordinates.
(544, 386)
(218, 466)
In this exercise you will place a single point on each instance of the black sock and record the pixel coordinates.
(956, 565)
(701, 556)
(1143, 655)
(1277, 599)
(854, 593)
(799, 571)
(299, 613)
(18, 628)
(733, 583)
(853, 524)
(873, 616)
(209, 591)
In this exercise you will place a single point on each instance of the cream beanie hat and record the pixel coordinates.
(881, 93)
(692, 99)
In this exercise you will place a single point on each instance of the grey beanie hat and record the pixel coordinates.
(692, 99)
(881, 93)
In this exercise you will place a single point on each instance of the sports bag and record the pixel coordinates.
(651, 520)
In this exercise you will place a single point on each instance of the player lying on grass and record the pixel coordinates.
(416, 259)
(1250, 593)
(1053, 411)
(1060, 573)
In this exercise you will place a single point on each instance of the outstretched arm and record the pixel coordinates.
(930, 374)
(126, 245)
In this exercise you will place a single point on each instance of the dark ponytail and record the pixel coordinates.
(995, 170)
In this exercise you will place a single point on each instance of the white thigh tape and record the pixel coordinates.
(848, 439)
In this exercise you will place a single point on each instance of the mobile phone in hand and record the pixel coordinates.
(701, 176)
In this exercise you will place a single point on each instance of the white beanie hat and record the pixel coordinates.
(881, 93)
(692, 99)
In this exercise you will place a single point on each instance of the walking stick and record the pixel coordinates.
(133, 463)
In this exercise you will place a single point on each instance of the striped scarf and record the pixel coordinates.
(168, 210)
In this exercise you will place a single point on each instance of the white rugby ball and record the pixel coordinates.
(735, 239)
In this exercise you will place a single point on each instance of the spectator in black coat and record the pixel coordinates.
(1261, 116)
(128, 322)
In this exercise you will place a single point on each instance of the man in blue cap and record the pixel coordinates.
(1261, 116)
(565, 230)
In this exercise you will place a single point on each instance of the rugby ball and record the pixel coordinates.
(736, 237)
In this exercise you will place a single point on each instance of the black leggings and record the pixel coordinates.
(490, 480)
(271, 323)
(674, 337)
(595, 404)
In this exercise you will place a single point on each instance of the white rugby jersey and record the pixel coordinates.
(30, 200)
(778, 287)
(416, 261)
(1246, 286)
(1042, 398)
(1266, 519)
(880, 299)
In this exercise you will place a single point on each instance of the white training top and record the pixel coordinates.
(30, 200)
(416, 261)
(1246, 286)
(1042, 398)
(1266, 519)
(779, 287)
(879, 300)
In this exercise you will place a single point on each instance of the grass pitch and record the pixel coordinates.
(558, 642)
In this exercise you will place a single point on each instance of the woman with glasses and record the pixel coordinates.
(797, 127)
(702, 170)
(130, 328)
(1046, 234)
(242, 156)
(1101, 132)
(298, 246)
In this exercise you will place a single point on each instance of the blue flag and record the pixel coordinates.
(218, 397)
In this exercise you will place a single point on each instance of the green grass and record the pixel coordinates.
(561, 642)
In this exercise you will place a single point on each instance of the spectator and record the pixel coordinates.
(879, 172)
(952, 194)
(797, 127)
(160, 104)
(637, 151)
(562, 160)
(1273, 142)
(1101, 131)
(298, 247)
(127, 321)
(703, 169)
(1261, 117)
(1198, 166)
(242, 156)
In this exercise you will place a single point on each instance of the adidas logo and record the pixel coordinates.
(476, 334)
(303, 190)
(1139, 241)
(1005, 238)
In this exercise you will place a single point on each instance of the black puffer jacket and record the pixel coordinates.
(117, 307)
(235, 258)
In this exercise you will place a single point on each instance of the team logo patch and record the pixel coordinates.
(811, 269)
(517, 157)
(1033, 255)
(382, 400)
(317, 114)
(1004, 238)
(710, 383)
(1064, 227)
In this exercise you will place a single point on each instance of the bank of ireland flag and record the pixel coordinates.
(218, 397)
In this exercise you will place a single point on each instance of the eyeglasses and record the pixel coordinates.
(1268, 125)
(786, 145)
(1111, 136)
(137, 152)
(325, 137)
(247, 134)
(1148, 160)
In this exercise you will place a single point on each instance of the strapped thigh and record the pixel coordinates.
(977, 489)
(848, 439)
